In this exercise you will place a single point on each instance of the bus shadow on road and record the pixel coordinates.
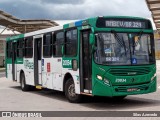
(100, 103)
(46, 93)
(130, 102)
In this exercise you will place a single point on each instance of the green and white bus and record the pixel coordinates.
(103, 56)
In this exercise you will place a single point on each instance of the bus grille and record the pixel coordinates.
(129, 71)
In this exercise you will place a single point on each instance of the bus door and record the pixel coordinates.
(37, 60)
(14, 67)
(85, 61)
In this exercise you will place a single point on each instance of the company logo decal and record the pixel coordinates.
(28, 64)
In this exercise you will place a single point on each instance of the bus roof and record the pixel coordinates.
(86, 21)
(35, 33)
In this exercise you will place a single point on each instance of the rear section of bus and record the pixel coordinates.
(14, 56)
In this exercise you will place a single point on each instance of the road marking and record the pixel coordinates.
(159, 87)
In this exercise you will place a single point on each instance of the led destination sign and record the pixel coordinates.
(123, 23)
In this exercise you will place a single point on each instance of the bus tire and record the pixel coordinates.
(70, 92)
(24, 87)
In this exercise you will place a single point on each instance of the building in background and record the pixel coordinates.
(13, 24)
(3, 35)
(157, 44)
(154, 7)
(2, 49)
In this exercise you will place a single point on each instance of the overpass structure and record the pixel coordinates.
(154, 7)
(18, 26)
(23, 26)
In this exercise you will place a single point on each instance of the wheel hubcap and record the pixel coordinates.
(71, 90)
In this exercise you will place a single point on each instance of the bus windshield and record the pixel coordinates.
(124, 48)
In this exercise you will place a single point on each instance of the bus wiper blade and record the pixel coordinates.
(120, 41)
(124, 46)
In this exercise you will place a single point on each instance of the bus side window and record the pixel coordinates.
(20, 48)
(71, 42)
(47, 48)
(57, 44)
(29, 47)
(9, 49)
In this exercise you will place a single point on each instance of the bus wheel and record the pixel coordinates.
(70, 92)
(24, 87)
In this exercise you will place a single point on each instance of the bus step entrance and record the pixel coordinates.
(88, 94)
(38, 87)
(87, 83)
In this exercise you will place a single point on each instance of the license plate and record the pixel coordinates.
(132, 89)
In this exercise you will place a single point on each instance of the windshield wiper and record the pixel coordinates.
(120, 41)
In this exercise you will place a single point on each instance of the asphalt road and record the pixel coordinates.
(13, 99)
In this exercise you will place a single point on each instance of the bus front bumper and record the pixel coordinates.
(103, 90)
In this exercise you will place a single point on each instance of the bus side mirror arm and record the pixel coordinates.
(92, 42)
(92, 39)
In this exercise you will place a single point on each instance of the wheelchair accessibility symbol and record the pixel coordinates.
(134, 61)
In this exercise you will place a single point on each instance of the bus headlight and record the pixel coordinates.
(99, 77)
(153, 76)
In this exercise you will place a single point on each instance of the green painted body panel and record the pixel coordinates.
(102, 90)
(9, 60)
(142, 83)
(67, 62)
(66, 26)
(19, 61)
(15, 37)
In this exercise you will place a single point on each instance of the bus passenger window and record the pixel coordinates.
(20, 48)
(29, 47)
(57, 44)
(47, 41)
(71, 43)
(9, 49)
